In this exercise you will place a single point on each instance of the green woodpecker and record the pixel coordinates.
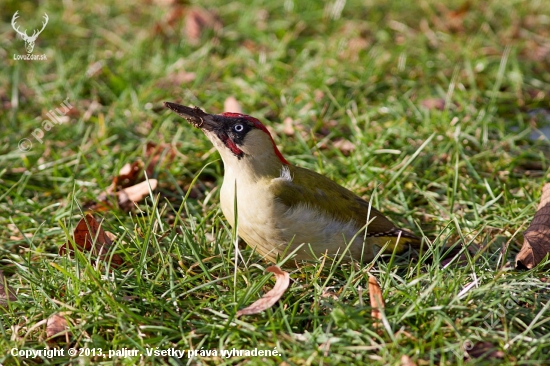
(281, 206)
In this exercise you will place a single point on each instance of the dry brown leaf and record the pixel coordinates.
(452, 20)
(91, 106)
(110, 235)
(57, 326)
(85, 232)
(128, 175)
(406, 361)
(318, 95)
(127, 197)
(232, 105)
(354, 48)
(485, 350)
(327, 293)
(198, 20)
(126, 169)
(272, 296)
(288, 126)
(6, 293)
(536, 242)
(251, 46)
(176, 79)
(345, 146)
(184, 77)
(433, 103)
(164, 2)
(158, 154)
(124, 186)
(327, 128)
(461, 11)
(376, 299)
(170, 21)
(15, 233)
(130, 298)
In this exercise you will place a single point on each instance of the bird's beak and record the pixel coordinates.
(196, 116)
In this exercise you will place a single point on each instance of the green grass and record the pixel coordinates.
(360, 74)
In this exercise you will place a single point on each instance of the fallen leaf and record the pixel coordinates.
(251, 46)
(57, 327)
(345, 146)
(354, 48)
(176, 79)
(485, 350)
(536, 243)
(127, 197)
(91, 107)
(318, 95)
(376, 300)
(461, 11)
(184, 77)
(288, 126)
(537, 51)
(15, 233)
(164, 2)
(87, 230)
(197, 21)
(452, 20)
(170, 21)
(128, 175)
(272, 296)
(126, 169)
(130, 298)
(455, 18)
(433, 103)
(155, 155)
(406, 361)
(329, 294)
(95, 68)
(6, 293)
(232, 105)
(327, 128)
(110, 235)
(124, 186)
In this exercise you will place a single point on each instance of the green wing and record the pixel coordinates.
(328, 196)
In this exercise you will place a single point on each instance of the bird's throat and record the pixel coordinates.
(231, 146)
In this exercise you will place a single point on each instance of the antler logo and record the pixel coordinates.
(29, 40)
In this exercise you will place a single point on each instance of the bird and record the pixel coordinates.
(280, 208)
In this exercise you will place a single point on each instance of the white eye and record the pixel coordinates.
(238, 128)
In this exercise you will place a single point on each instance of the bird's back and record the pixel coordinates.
(328, 216)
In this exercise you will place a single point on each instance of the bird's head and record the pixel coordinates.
(242, 140)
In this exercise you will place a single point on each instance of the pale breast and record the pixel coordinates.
(323, 233)
(256, 221)
(272, 229)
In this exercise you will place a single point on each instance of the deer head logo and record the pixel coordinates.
(29, 40)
